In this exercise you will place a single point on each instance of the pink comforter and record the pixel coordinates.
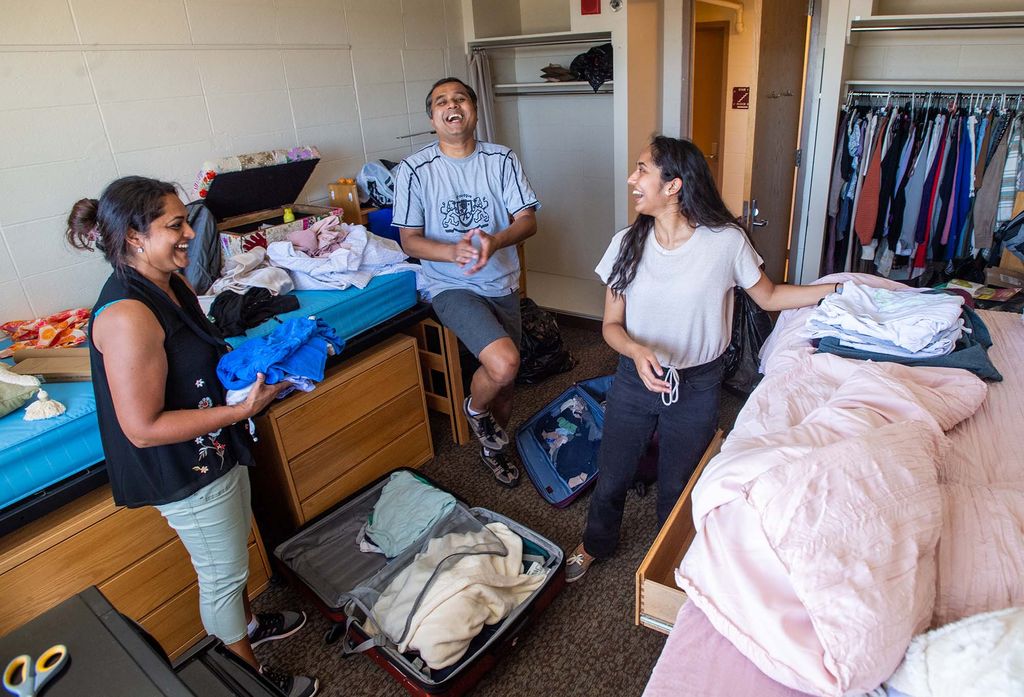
(848, 511)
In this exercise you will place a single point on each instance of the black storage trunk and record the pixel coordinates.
(332, 540)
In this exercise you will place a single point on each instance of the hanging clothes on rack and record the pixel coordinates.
(920, 181)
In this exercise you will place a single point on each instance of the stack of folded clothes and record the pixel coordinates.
(902, 326)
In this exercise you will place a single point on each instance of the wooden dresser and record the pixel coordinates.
(367, 417)
(131, 554)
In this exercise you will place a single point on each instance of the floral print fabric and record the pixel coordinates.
(61, 330)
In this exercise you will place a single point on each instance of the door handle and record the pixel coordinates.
(753, 213)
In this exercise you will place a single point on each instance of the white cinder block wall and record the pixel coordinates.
(95, 89)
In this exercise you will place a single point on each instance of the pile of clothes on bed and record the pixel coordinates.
(329, 255)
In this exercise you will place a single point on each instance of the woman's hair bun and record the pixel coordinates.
(82, 231)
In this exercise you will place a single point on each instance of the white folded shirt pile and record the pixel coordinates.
(905, 323)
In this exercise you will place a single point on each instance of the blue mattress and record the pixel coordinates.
(350, 311)
(37, 454)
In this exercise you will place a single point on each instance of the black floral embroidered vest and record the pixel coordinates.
(167, 473)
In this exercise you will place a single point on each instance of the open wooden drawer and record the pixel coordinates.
(658, 599)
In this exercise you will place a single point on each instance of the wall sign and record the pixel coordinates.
(740, 97)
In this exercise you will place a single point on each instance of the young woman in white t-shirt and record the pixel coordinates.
(668, 312)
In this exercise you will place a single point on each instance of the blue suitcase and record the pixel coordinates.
(563, 463)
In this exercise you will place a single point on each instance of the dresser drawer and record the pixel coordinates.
(354, 395)
(176, 623)
(143, 587)
(412, 449)
(89, 557)
(335, 456)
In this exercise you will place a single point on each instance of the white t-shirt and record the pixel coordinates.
(679, 305)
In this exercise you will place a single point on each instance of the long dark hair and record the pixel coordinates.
(699, 202)
(129, 203)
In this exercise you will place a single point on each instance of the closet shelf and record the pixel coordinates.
(551, 85)
(516, 89)
(548, 39)
(925, 22)
(926, 85)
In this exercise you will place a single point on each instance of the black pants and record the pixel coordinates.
(633, 413)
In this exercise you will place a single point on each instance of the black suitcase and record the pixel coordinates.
(325, 562)
(210, 669)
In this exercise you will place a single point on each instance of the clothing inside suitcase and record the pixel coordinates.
(351, 584)
(559, 445)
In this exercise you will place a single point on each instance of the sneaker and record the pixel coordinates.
(291, 685)
(276, 625)
(578, 563)
(500, 466)
(485, 428)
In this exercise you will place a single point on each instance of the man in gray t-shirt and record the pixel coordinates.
(462, 206)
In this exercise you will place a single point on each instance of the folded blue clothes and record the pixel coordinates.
(297, 348)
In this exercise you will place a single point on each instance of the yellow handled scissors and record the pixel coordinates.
(23, 678)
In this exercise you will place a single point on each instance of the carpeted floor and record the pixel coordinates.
(586, 642)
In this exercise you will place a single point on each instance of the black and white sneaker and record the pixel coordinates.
(485, 428)
(290, 685)
(276, 625)
(500, 466)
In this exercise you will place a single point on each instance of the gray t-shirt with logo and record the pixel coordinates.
(447, 197)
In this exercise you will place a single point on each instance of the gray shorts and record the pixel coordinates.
(477, 320)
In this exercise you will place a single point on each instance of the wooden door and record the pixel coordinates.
(780, 77)
(709, 60)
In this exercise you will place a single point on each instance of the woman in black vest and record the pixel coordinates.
(169, 439)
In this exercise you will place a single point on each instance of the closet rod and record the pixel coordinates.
(931, 93)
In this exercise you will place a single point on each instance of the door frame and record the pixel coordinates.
(725, 27)
(823, 83)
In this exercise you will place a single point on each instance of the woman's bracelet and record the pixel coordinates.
(836, 289)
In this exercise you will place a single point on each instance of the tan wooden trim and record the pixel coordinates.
(423, 405)
(460, 427)
(651, 580)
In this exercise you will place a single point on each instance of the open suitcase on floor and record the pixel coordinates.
(325, 562)
(558, 445)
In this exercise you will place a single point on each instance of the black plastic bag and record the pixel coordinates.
(750, 329)
(541, 352)
(594, 66)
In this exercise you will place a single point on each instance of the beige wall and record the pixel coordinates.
(739, 123)
(543, 16)
(96, 89)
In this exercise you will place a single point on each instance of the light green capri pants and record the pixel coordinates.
(214, 525)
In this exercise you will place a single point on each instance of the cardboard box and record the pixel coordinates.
(1004, 278)
(244, 232)
(1011, 262)
(56, 368)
